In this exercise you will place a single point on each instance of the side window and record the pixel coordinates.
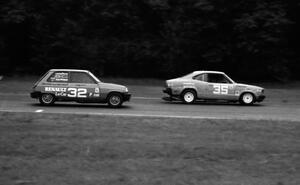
(218, 78)
(59, 76)
(201, 77)
(81, 77)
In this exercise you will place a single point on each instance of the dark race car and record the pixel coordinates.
(77, 85)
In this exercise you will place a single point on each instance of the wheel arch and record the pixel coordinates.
(113, 92)
(244, 92)
(41, 93)
(189, 89)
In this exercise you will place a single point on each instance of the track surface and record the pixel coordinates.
(281, 104)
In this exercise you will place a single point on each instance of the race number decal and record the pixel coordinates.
(220, 89)
(79, 93)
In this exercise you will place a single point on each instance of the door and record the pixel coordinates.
(220, 87)
(202, 86)
(83, 87)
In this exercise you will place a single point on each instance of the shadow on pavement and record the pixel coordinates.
(79, 105)
(212, 103)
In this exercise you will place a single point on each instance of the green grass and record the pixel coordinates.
(87, 150)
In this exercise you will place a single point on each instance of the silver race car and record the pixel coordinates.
(77, 85)
(211, 85)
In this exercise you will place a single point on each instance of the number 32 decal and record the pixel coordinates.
(220, 89)
(79, 93)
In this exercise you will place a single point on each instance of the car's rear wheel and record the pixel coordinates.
(188, 96)
(47, 99)
(247, 99)
(115, 100)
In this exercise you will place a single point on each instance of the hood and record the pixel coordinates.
(113, 86)
(249, 86)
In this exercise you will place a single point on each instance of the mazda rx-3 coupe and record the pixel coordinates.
(77, 85)
(211, 85)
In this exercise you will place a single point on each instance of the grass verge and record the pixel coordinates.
(82, 150)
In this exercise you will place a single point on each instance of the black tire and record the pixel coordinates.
(47, 99)
(188, 96)
(115, 100)
(247, 98)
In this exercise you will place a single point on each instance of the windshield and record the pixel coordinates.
(92, 75)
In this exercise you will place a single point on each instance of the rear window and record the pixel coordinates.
(41, 78)
(201, 77)
(59, 77)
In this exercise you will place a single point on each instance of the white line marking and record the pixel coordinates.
(39, 110)
(161, 116)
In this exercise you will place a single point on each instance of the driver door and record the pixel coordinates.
(202, 86)
(82, 87)
(220, 87)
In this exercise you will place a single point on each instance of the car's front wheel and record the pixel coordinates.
(188, 96)
(247, 99)
(115, 100)
(47, 99)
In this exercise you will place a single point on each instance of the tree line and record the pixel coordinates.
(248, 39)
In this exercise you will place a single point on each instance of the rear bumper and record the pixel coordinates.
(35, 94)
(171, 97)
(260, 98)
(126, 97)
(168, 91)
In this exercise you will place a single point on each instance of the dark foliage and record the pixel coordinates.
(249, 39)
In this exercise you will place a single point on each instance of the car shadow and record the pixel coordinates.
(213, 103)
(81, 105)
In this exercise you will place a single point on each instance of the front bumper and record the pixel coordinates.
(126, 97)
(260, 98)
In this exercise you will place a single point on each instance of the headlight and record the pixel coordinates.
(169, 84)
(126, 89)
(260, 90)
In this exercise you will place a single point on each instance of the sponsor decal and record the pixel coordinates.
(96, 95)
(60, 77)
(237, 93)
(69, 92)
(60, 94)
(55, 89)
(96, 90)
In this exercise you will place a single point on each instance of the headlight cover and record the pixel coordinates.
(260, 90)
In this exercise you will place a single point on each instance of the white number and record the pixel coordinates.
(72, 92)
(220, 89)
(224, 89)
(80, 93)
(217, 89)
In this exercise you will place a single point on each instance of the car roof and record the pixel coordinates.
(199, 72)
(70, 70)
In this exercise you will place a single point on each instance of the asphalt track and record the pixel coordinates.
(280, 104)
